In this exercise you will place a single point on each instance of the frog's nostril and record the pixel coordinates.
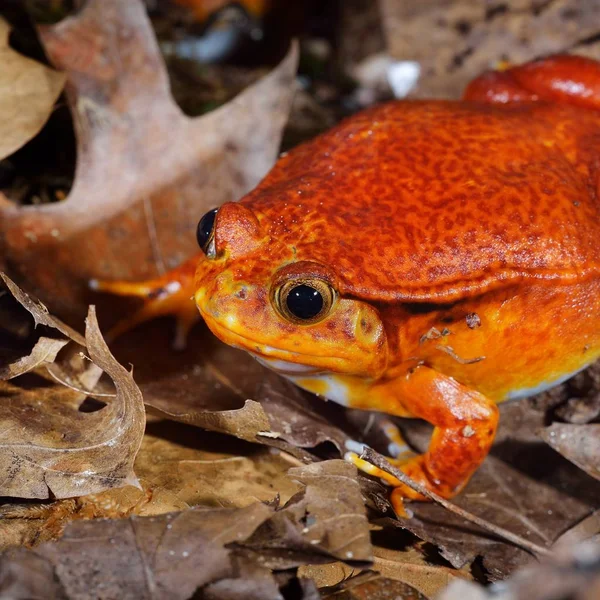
(242, 293)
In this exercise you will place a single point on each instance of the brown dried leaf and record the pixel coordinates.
(29, 91)
(326, 521)
(332, 510)
(182, 467)
(168, 556)
(48, 446)
(578, 443)
(145, 172)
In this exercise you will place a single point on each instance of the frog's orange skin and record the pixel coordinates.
(461, 239)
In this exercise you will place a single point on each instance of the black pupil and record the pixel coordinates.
(205, 228)
(304, 302)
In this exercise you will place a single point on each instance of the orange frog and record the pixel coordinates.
(423, 258)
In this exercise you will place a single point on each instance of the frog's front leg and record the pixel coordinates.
(168, 295)
(465, 424)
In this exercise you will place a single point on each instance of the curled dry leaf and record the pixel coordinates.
(29, 90)
(49, 447)
(578, 443)
(145, 172)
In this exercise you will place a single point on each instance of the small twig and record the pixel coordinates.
(378, 460)
(80, 390)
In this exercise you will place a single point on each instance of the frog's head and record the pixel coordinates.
(257, 294)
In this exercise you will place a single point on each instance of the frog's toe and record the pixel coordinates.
(397, 447)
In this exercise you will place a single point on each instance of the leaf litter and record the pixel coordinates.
(51, 449)
(526, 487)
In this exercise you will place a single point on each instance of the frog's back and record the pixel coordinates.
(425, 201)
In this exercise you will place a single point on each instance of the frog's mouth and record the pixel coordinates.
(284, 362)
(284, 367)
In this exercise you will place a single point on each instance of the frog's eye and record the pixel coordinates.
(205, 233)
(304, 301)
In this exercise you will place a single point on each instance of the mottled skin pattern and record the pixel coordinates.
(461, 242)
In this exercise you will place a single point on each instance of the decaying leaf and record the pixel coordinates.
(172, 555)
(144, 170)
(578, 443)
(183, 467)
(28, 91)
(49, 447)
(584, 530)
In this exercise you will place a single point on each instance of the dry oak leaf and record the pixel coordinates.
(145, 172)
(48, 446)
(28, 91)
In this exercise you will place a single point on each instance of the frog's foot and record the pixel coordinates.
(169, 295)
(397, 500)
(465, 424)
